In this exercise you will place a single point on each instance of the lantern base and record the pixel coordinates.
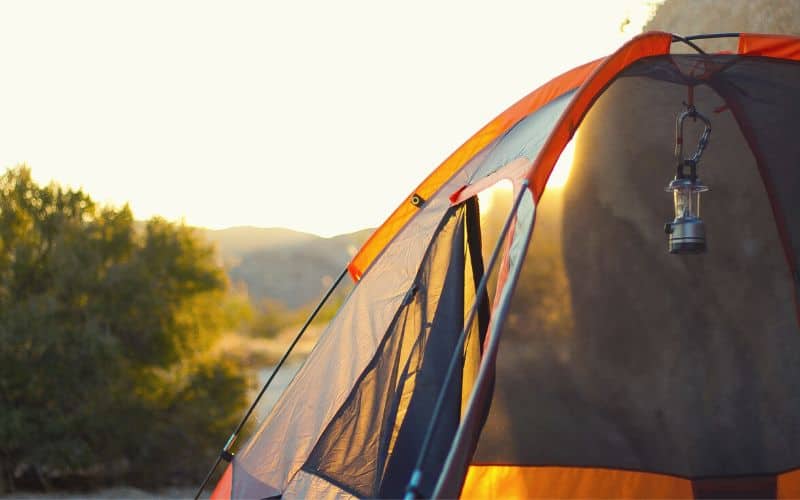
(686, 236)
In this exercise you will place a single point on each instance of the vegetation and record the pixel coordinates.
(272, 316)
(106, 371)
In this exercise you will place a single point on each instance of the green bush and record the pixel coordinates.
(271, 318)
(104, 333)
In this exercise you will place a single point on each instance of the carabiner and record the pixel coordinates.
(690, 112)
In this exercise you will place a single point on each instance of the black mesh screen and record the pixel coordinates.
(617, 354)
(767, 104)
(763, 95)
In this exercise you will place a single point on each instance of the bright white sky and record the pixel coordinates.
(318, 116)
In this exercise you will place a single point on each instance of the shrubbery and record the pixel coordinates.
(105, 329)
(272, 317)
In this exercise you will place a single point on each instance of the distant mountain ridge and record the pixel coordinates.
(233, 243)
(283, 265)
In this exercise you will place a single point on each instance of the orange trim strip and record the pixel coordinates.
(592, 77)
(645, 45)
(789, 484)
(777, 46)
(514, 481)
(520, 481)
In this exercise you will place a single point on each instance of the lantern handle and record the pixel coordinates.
(691, 162)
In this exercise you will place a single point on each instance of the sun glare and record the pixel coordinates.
(558, 179)
(222, 141)
(560, 174)
(491, 198)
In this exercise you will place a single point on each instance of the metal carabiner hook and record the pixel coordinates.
(690, 112)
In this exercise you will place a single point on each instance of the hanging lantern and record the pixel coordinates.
(687, 233)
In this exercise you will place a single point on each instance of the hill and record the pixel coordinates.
(235, 242)
(283, 265)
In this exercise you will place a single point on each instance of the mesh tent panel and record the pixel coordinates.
(619, 355)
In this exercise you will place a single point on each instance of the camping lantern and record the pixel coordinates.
(687, 233)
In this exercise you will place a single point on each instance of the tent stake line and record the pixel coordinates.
(226, 454)
(412, 490)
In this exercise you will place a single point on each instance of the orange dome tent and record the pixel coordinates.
(404, 396)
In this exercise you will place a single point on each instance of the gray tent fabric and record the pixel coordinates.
(525, 139)
(306, 485)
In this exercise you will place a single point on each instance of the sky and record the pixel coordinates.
(316, 116)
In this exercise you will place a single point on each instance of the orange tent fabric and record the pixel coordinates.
(509, 481)
(223, 489)
(778, 46)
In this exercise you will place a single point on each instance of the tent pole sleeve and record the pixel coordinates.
(226, 454)
(412, 489)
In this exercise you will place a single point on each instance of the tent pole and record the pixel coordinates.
(226, 454)
(706, 36)
(688, 40)
(412, 489)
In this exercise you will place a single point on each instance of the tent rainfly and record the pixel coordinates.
(429, 382)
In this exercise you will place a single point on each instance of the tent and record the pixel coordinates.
(672, 376)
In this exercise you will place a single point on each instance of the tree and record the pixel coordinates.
(104, 338)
